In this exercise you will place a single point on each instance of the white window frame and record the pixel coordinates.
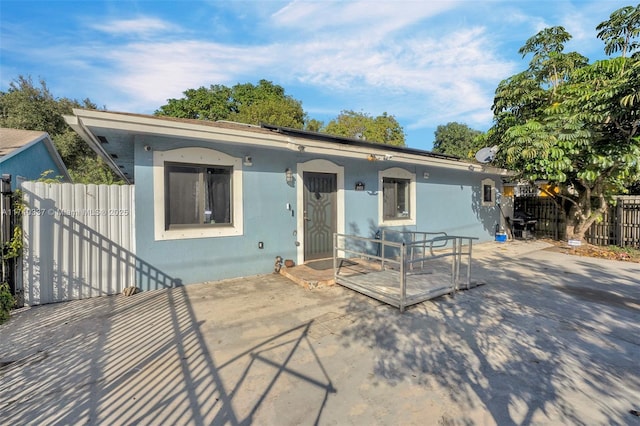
(492, 184)
(397, 173)
(197, 156)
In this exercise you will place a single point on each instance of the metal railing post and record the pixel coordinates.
(424, 249)
(453, 266)
(382, 248)
(403, 278)
(469, 264)
(458, 262)
(413, 248)
(335, 256)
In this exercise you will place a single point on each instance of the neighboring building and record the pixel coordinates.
(217, 200)
(27, 154)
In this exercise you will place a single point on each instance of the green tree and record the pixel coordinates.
(573, 124)
(381, 129)
(245, 103)
(211, 104)
(313, 125)
(549, 65)
(619, 32)
(29, 107)
(457, 139)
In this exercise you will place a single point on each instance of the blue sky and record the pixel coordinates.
(425, 62)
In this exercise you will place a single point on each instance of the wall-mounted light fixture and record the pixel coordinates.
(147, 148)
(288, 175)
(376, 157)
(247, 160)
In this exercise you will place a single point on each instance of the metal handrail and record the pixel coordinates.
(415, 242)
(405, 259)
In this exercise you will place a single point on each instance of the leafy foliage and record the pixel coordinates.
(620, 30)
(457, 139)
(13, 247)
(11, 250)
(268, 103)
(381, 129)
(29, 107)
(574, 124)
(244, 103)
(313, 125)
(7, 302)
(47, 177)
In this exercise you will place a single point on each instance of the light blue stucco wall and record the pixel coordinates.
(446, 201)
(30, 164)
(266, 220)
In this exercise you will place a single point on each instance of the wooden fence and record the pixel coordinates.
(620, 225)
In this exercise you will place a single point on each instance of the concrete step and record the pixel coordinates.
(307, 277)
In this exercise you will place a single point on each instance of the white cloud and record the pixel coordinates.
(426, 77)
(154, 72)
(133, 27)
(427, 63)
(371, 18)
(423, 79)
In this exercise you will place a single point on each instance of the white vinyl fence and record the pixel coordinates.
(79, 241)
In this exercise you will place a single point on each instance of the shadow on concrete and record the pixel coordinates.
(549, 339)
(71, 254)
(143, 359)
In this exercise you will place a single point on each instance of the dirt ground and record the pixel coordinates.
(549, 339)
(590, 250)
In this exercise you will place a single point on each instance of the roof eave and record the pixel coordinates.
(78, 126)
(276, 137)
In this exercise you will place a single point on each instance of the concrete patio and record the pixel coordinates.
(550, 339)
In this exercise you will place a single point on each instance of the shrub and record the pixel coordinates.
(6, 302)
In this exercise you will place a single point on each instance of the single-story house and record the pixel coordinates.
(215, 200)
(27, 154)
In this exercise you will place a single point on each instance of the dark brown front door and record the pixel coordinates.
(319, 214)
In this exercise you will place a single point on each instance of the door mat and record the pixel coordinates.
(324, 264)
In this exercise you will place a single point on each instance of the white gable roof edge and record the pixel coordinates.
(250, 135)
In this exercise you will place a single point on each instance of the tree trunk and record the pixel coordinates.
(571, 230)
(577, 230)
(575, 227)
